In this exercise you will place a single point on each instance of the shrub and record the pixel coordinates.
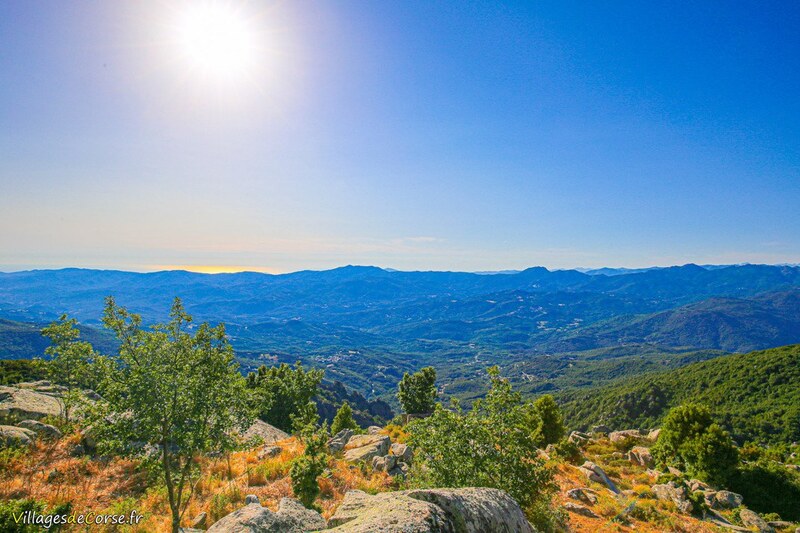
(690, 440)
(568, 450)
(488, 446)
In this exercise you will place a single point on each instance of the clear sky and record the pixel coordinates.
(411, 135)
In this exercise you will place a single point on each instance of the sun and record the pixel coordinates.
(217, 41)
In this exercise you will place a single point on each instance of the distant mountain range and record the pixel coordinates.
(367, 325)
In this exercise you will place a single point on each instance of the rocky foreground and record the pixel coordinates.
(614, 486)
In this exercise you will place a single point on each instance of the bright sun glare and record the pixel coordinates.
(217, 41)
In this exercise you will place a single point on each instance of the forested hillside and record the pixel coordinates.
(754, 395)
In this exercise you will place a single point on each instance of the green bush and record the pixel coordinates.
(568, 450)
(690, 440)
(488, 446)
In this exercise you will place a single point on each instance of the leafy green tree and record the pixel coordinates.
(70, 362)
(282, 391)
(417, 392)
(344, 419)
(177, 391)
(550, 422)
(489, 446)
(690, 440)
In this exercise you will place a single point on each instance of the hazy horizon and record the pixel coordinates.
(222, 270)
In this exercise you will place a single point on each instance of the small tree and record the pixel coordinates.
(70, 362)
(179, 392)
(344, 419)
(690, 440)
(489, 446)
(306, 468)
(282, 391)
(417, 392)
(550, 424)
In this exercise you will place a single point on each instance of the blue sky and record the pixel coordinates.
(411, 135)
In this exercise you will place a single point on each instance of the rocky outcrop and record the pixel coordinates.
(601, 429)
(596, 474)
(268, 434)
(291, 517)
(579, 509)
(678, 494)
(725, 499)
(752, 520)
(620, 436)
(362, 448)
(269, 450)
(14, 436)
(583, 494)
(24, 404)
(576, 437)
(339, 441)
(45, 431)
(468, 510)
(653, 435)
(403, 452)
(641, 456)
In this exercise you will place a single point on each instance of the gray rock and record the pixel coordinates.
(725, 499)
(696, 484)
(295, 516)
(339, 441)
(14, 436)
(403, 452)
(199, 521)
(43, 387)
(46, 431)
(374, 430)
(751, 519)
(269, 450)
(362, 448)
(678, 494)
(291, 517)
(619, 436)
(267, 433)
(25, 404)
(384, 463)
(641, 456)
(653, 435)
(596, 474)
(579, 509)
(583, 494)
(779, 524)
(576, 437)
(251, 498)
(470, 510)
